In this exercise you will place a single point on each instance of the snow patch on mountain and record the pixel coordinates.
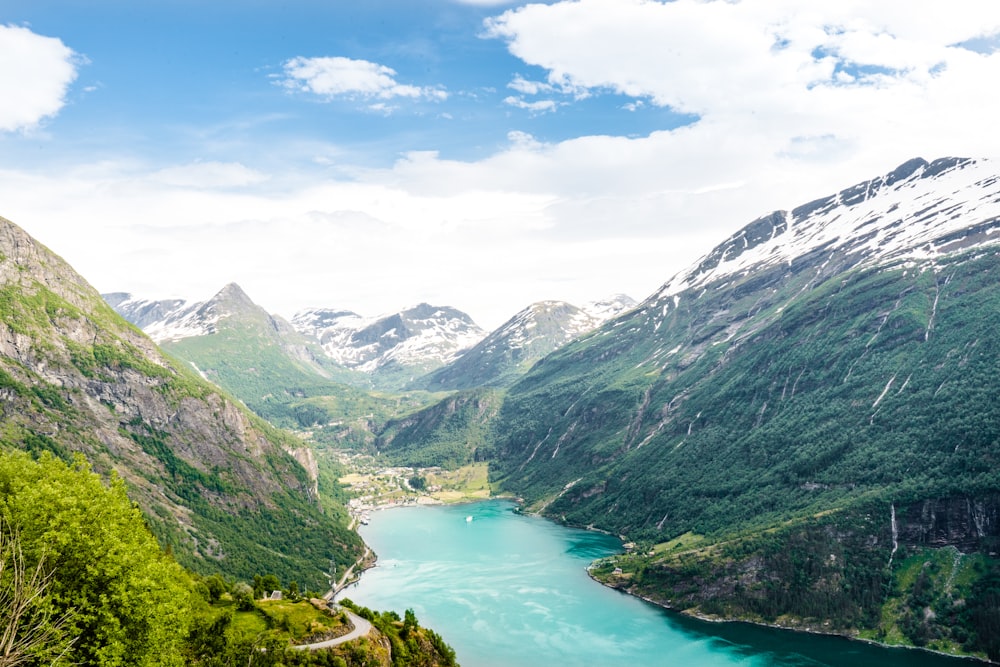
(171, 320)
(607, 308)
(917, 212)
(162, 320)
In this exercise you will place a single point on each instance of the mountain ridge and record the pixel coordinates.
(404, 344)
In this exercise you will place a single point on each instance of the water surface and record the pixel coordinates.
(507, 590)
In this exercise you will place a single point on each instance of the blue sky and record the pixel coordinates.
(172, 79)
(478, 154)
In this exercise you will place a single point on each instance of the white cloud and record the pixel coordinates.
(792, 101)
(370, 247)
(739, 57)
(797, 92)
(209, 175)
(345, 77)
(35, 74)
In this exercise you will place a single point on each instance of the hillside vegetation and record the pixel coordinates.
(84, 582)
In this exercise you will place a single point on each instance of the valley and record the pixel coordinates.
(800, 430)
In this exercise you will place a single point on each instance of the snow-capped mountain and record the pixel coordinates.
(232, 341)
(143, 312)
(917, 212)
(412, 341)
(524, 339)
(851, 307)
(172, 320)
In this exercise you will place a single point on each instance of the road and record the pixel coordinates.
(361, 629)
(361, 626)
(343, 580)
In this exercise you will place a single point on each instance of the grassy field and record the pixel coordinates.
(469, 482)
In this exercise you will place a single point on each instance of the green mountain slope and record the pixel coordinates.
(258, 357)
(278, 372)
(448, 434)
(834, 399)
(216, 484)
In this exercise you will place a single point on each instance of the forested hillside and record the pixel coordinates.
(784, 418)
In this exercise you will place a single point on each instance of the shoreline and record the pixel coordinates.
(372, 563)
(430, 501)
(786, 628)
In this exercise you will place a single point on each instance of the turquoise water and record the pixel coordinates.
(507, 590)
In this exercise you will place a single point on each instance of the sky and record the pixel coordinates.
(480, 154)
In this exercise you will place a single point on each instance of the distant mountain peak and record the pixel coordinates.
(232, 292)
(529, 335)
(421, 337)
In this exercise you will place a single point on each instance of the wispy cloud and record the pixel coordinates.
(36, 72)
(335, 76)
(538, 106)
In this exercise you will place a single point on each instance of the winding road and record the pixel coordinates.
(361, 629)
(361, 626)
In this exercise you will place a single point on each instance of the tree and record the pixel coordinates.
(216, 587)
(243, 595)
(29, 628)
(409, 623)
(132, 602)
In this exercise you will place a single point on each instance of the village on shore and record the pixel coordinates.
(375, 486)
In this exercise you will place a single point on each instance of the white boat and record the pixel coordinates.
(468, 519)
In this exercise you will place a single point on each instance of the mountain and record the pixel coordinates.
(509, 351)
(141, 312)
(394, 348)
(217, 485)
(875, 264)
(801, 428)
(258, 357)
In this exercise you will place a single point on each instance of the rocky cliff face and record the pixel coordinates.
(75, 377)
(969, 523)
